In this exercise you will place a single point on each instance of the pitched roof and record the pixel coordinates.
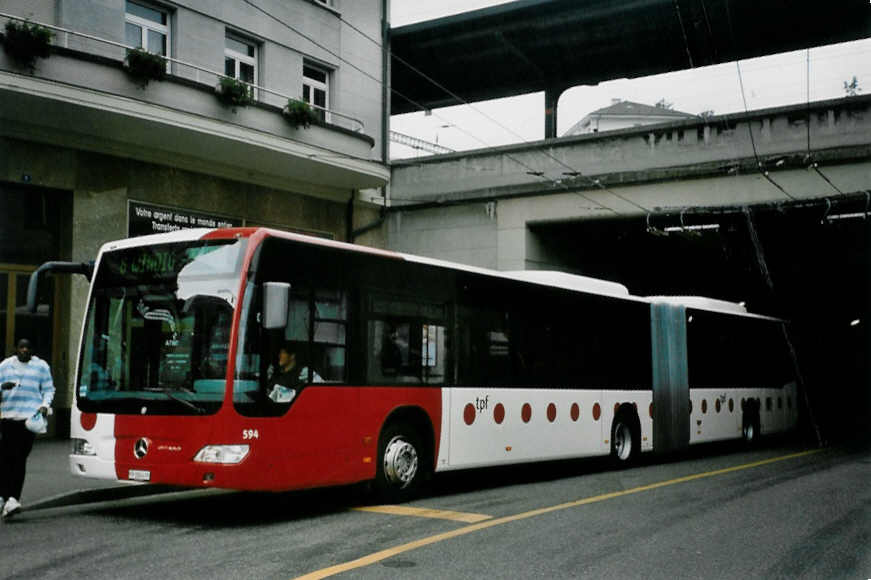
(628, 108)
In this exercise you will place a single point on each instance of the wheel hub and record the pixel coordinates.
(400, 462)
(623, 441)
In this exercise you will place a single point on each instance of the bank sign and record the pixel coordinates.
(145, 218)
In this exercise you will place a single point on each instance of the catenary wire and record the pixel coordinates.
(759, 166)
(531, 171)
(813, 164)
(572, 170)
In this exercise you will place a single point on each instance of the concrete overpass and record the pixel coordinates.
(528, 46)
(482, 207)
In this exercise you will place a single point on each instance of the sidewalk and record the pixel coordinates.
(49, 482)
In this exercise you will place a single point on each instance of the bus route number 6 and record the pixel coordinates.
(250, 434)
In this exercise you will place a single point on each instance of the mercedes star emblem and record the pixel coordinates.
(140, 449)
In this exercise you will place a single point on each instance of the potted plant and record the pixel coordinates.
(144, 66)
(299, 113)
(233, 92)
(24, 42)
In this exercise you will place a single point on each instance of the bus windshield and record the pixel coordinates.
(158, 328)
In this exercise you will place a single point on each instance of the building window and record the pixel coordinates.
(240, 59)
(147, 27)
(315, 88)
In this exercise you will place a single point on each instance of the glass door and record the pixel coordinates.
(15, 321)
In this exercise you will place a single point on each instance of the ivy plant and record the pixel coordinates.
(234, 93)
(299, 113)
(144, 66)
(24, 42)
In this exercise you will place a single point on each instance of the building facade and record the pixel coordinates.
(89, 152)
(623, 115)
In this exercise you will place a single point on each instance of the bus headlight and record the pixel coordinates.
(221, 454)
(82, 447)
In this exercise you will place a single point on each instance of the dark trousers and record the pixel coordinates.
(16, 441)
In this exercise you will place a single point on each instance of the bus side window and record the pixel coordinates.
(485, 342)
(392, 338)
(317, 328)
(329, 339)
(406, 352)
(406, 341)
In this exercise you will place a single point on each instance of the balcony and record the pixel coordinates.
(81, 97)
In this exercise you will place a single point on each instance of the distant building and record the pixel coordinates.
(622, 115)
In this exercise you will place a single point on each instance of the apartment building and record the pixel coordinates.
(90, 150)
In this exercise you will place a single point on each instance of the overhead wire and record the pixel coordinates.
(808, 99)
(684, 33)
(759, 164)
(710, 31)
(761, 261)
(812, 163)
(460, 100)
(530, 170)
(572, 171)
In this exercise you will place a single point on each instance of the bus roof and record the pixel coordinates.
(548, 278)
(702, 303)
(709, 305)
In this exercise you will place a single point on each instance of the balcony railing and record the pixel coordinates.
(178, 67)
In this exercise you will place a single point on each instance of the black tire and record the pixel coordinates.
(402, 463)
(625, 439)
(750, 423)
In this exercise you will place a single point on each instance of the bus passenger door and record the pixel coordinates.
(671, 414)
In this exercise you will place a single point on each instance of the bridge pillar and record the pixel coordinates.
(551, 100)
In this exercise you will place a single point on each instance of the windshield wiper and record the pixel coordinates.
(172, 394)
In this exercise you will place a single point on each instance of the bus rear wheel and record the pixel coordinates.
(749, 432)
(400, 462)
(750, 422)
(625, 439)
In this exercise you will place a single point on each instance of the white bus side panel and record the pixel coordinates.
(778, 412)
(472, 437)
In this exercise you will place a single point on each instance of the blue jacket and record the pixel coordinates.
(34, 388)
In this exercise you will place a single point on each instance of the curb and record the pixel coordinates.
(86, 496)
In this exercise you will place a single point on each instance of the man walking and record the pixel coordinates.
(27, 389)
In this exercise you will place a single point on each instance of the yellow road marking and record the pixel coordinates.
(390, 552)
(401, 510)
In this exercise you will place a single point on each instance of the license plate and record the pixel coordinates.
(139, 475)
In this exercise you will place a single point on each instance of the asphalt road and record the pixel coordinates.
(721, 512)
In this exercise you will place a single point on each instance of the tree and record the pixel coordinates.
(663, 104)
(852, 88)
(707, 114)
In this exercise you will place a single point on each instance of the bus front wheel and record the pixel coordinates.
(400, 462)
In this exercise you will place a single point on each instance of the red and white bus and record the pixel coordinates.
(405, 366)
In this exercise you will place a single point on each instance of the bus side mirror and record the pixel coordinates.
(276, 301)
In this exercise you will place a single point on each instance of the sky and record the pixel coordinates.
(772, 81)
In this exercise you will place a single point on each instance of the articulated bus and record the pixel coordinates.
(405, 366)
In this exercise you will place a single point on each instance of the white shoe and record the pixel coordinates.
(11, 507)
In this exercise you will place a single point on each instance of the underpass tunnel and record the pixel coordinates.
(804, 265)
